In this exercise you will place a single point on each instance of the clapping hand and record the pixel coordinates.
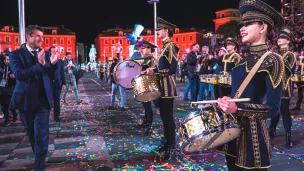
(41, 58)
(55, 55)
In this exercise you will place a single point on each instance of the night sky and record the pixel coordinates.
(89, 17)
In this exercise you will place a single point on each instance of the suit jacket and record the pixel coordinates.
(11, 82)
(27, 71)
(59, 73)
(191, 61)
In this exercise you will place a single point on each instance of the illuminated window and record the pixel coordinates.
(69, 41)
(54, 41)
(113, 42)
(190, 38)
(17, 39)
(105, 42)
(54, 31)
(46, 41)
(61, 41)
(7, 39)
(176, 39)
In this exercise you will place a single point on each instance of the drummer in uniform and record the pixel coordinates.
(252, 150)
(148, 61)
(285, 38)
(230, 60)
(167, 66)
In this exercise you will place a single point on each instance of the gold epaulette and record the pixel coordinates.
(274, 66)
(290, 59)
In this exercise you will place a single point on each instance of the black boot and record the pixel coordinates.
(163, 146)
(169, 154)
(295, 108)
(272, 132)
(148, 130)
(288, 139)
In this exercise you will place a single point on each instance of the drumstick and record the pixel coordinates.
(215, 101)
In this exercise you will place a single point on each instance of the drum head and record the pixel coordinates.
(147, 97)
(125, 71)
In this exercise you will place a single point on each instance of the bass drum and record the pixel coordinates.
(125, 71)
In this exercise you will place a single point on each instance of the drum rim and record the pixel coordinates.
(189, 140)
(147, 92)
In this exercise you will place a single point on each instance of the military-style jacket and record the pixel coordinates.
(230, 60)
(252, 148)
(167, 66)
(290, 67)
(147, 62)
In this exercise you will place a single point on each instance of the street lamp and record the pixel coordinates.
(21, 21)
(154, 2)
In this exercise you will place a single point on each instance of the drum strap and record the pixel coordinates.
(250, 75)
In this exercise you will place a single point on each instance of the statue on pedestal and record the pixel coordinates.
(92, 54)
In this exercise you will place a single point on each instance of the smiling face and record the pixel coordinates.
(35, 40)
(254, 33)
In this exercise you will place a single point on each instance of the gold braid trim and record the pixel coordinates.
(292, 60)
(276, 74)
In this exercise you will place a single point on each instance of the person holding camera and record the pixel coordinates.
(70, 70)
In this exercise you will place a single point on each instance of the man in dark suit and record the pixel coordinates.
(33, 95)
(58, 82)
(193, 69)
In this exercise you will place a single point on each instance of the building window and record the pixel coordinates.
(7, 39)
(62, 50)
(120, 33)
(54, 41)
(190, 37)
(61, 41)
(54, 31)
(149, 32)
(184, 39)
(46, 41)
(106, 49)
(113, 42)
(176, 30)
(17, 39)
(68, 49)
(105, 42)
(69, 41)
(120, 42)
(222, 15)
(176, 39)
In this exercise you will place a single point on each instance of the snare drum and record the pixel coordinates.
(146, 88)
(125, 71)
(225, 79)
(206, 129)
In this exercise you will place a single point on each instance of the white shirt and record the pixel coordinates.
(198, 65)
(30, 49)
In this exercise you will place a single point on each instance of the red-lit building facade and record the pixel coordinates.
(112, 39)
(10, 39)
(225, 16)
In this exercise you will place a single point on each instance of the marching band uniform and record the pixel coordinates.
(290, 65)
(230, 60)
(251, 150)
(300, 86)
(167, 66)
(147, 63)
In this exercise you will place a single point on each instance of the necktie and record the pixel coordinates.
(35, 58)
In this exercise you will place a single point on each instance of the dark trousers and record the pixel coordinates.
(37, 127)
(285, 112)
(193, 84)
(156, 103)
(101, 76)
(5, 101)
(232, 167)
(300, 94)
(166, 114)
(148, 112)
(56, 95)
